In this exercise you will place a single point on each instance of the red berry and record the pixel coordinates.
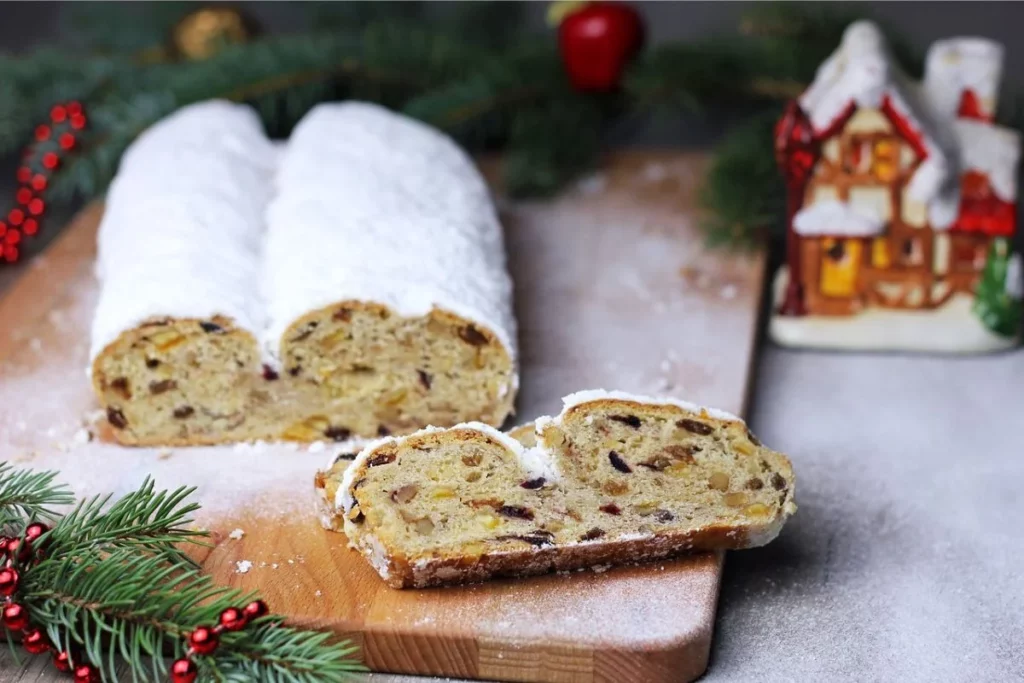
(42, 132)
(10, 253)
(3, 544)
(233, 619)
(35, 530)
(50, 160)
(15, 617)
(86, 673)
(38, 182)
(13, 237)
(34, 641)
(203, 640)
(255, 610)
(74, 108)
(23, 195)
(8, 581)
(58, 114)
(30, 227)
(66, 141)
(61, 661)
(24, 174)
(16, 216)
(183, 671)
(77, 121)
(36, 206)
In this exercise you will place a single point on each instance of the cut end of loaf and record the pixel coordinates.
(350, 370)
(628, 480)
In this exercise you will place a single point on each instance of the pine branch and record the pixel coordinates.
(134, 608)
(143, 519)
(743, 191)
(25, 494)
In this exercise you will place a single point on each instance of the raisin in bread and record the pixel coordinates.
(614, 478)
(369, 297)
(327, 481)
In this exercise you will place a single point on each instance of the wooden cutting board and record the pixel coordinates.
(613, 290)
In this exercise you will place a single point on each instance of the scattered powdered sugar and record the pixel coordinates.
(243, 566)
(236, 535)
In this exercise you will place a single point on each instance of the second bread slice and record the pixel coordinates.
(614, 479)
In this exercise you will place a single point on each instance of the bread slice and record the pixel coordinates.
(614, 478)
(326, 482)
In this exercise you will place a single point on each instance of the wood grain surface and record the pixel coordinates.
(613, 290)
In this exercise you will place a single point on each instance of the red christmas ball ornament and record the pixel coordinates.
(232, 619)
(86, 673)
(15, 617)
(255, 610)
(8, 581)
(596, 42)
(184, 671)
(62, 661)
(4, 540)
(204, 640)
(34, 641)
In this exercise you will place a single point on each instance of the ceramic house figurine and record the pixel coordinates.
(901, 203)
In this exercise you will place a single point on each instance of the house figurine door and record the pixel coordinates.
(840, 262)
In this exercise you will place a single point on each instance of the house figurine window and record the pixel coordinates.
(885, 160)
(913, 254)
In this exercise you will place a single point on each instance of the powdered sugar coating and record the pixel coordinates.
(182, 229)
(382, 208)
(589, 396)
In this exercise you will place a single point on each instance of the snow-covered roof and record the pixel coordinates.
(833, 218)
(958, 64)
(863, 72)
(992, 150)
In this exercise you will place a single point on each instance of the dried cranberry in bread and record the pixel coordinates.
(614, 478)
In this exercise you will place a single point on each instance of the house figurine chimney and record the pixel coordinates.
(961, 78)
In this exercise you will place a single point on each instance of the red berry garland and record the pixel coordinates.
(54, 139)
(184, 671)
(205, 639)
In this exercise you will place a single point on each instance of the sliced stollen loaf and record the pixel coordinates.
(614, 478)
(175, 334)
(386, 284)
(369, 297)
